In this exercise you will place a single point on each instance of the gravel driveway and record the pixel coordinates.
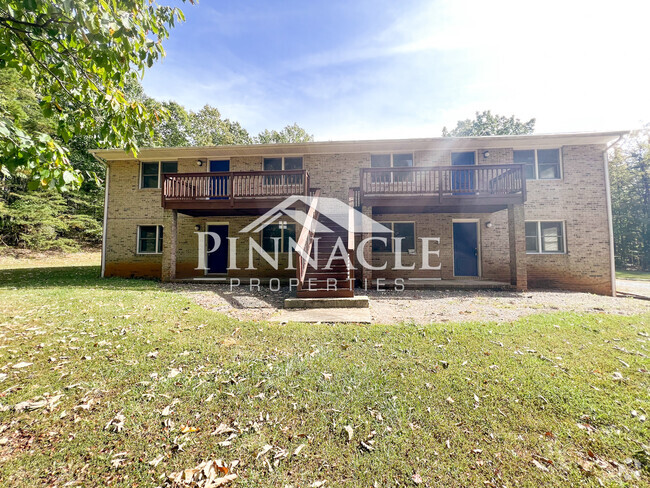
(420, 306)
(639, 287)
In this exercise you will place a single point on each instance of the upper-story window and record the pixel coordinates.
(283, 163)
(150, 172)
(404, 160)
(391, 160)
(540, 164)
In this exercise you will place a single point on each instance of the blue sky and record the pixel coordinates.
(377, 69)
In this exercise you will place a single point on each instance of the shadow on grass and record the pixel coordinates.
(69, 277)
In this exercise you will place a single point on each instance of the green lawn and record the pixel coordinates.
(532, 403)
(633, 275)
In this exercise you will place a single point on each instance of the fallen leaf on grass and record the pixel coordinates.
(449, 400)
(116, 424)
(187, 429)
(327, 376)
(228, 441)
(206, 475)
(416, 478)
(157, 460)
(21, 365)
(39, 402)
(264, 450)
(539, 465)
(223, 429)
(317, 484)
(366, 446)
(298, 449)
(349, 431)
(167, 411)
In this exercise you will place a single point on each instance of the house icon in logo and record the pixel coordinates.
(333, 215)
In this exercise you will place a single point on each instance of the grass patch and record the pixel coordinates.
(531, 403)
(633, 275)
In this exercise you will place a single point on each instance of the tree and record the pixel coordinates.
(486, 124)
(207, 128)
(175, 129)
(291, 133)
(630, 187)
(77, 56)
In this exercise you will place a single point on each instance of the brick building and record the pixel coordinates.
(525, 211)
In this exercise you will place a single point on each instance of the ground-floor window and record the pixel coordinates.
(150, 239)
(403, 230)
(545, 237)
(282, 231)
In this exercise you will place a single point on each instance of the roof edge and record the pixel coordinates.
(368, 145)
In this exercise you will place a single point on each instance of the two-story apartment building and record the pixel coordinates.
(527, 211)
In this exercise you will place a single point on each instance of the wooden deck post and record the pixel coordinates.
(366, 274)
(517, 238)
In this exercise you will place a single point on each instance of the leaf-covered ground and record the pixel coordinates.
(121, 383)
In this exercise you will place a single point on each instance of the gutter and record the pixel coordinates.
(105, 223)
(610, 223)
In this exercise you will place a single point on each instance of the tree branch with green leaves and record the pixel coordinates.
(78, 55)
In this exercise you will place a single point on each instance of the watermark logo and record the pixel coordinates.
(315, 229)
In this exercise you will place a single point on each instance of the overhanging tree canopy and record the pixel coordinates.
(78, 55)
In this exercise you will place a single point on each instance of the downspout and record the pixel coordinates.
(610, 223)
(104, 226)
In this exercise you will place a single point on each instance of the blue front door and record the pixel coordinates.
(219, 184)
(465, 249)
(462, 181)
(218, 260)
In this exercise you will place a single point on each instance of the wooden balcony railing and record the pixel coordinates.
(502, 183)
(229, 187)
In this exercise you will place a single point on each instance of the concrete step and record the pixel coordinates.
(338, 302)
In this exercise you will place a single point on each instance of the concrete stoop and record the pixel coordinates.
(324, 316)
(339, 302)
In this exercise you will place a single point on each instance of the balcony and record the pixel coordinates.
(477, 188)
(231, 193)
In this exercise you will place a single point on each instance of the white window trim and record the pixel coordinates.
(280, 251)
(392, 222)
(536, 166)
(159, 161)
(283, 158)
(137, 239)
(539, 237)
